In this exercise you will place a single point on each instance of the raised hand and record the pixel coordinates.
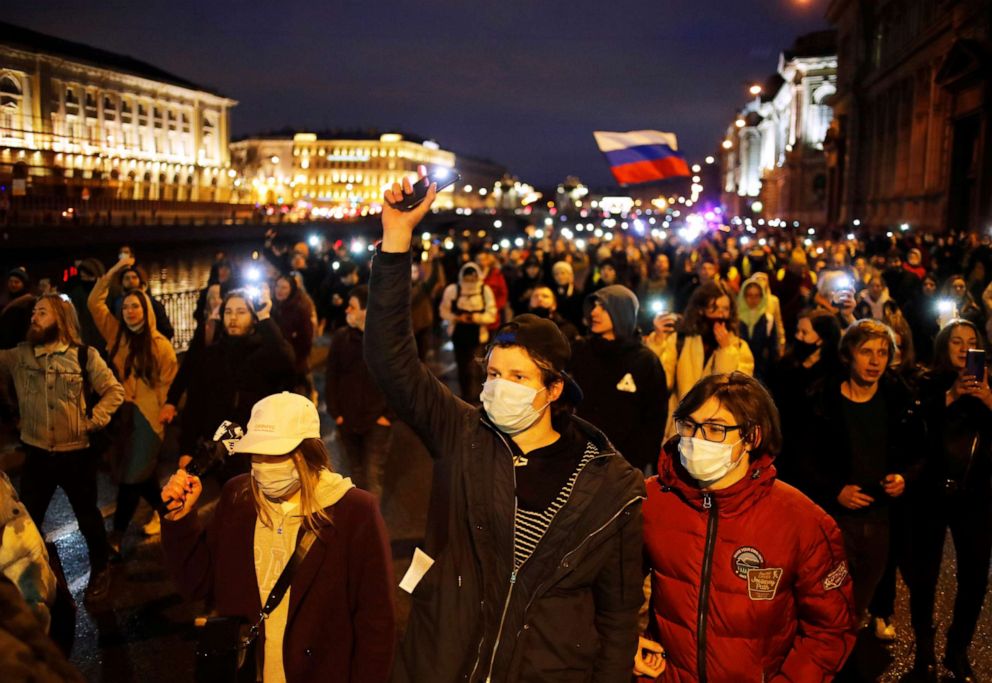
(398, 226)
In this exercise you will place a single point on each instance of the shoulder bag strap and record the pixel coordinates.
(286, 578)
(83, 357)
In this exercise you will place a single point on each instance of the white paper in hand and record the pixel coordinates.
(418, 567)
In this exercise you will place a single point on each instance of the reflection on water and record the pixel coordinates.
(187, 270)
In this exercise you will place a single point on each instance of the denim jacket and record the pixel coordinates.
(49, 386)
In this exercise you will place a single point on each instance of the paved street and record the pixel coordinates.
(144, 632)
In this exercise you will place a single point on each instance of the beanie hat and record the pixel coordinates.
(20, 274)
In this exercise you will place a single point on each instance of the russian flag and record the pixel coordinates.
(642, 156)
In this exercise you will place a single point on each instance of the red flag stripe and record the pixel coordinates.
(646, 171)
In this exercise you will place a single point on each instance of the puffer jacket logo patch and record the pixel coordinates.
(746, 558)
(835, 579)
(762, 584)
(627, 384)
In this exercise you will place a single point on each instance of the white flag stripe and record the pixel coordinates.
(609, 141)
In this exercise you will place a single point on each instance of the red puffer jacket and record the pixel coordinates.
(749, 583)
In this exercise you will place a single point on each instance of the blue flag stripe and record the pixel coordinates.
(632, 155)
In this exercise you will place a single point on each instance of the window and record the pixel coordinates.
(156, 117)
(71, 102)
(185, 120)
(90, 105)
(10, 108)
(10, 93)
(127, 116)
(172, 119)
(209, 139)
(109, 109)
(142, 115)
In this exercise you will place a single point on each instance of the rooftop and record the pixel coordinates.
(289, 132)
(817, 44)
(33, 41)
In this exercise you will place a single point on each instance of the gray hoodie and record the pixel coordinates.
(621, 304)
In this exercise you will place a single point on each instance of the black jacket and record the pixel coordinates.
(959, 439)
(571, 613)
(631, 411)
(350, 391)
(228, 377)
(827, 463)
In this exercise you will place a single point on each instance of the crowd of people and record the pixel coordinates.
(765, 423)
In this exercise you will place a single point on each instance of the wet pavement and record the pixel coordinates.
(144, 631)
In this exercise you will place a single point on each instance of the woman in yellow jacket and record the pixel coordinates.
(145, 363)
(705, 344)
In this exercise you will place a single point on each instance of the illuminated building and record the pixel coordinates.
(911, 140)
(773, 150)
(334, 175)
(80, 122)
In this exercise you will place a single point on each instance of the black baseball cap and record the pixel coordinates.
(543, 338)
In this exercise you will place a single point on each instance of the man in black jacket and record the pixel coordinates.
(863, 448)
(354, 401)
(538, 576)
(627, 395)
(250, 360)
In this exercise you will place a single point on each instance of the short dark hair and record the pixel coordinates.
(747, 400)
(361, 292)
(862, 331)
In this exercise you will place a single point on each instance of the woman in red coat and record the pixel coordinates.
(748, 576)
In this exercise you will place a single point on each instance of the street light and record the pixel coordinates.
(755, 90)
(727, 144)
(710, 160)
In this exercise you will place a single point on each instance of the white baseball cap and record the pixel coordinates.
(278, 424)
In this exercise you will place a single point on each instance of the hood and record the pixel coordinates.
(730, 501)
(471, 265)
(621, 304)
(331, 488)
(752, 317)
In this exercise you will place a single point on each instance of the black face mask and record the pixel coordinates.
(541, 312)
(803, 350)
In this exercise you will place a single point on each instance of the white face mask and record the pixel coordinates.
(276, 479)
(509, 405)
(707, 461)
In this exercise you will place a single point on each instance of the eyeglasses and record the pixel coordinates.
(712, 431)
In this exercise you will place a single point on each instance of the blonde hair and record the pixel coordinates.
(66, 319)
(310, 458)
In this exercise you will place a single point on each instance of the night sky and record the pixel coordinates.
(521, 82)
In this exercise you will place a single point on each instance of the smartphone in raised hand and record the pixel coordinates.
(975, 364)
(412, 200)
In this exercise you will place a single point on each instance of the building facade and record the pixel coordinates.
(332, 175)
(343, 174)
(79, 122)
(773, 160)
(911, 141)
